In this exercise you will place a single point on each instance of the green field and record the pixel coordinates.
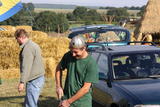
(37, 10)
(10, 97)
(104, 11)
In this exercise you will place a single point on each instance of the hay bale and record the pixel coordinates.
(50, 66)
(108, 36)
(27, 28)
(37, 35)
(9, 73)
(47, 45)
(9, 51)
(53, 48)
(62, 46)
(33, 34)
(8, 34)
(9, 28)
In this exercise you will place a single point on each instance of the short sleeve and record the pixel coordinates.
(63, 62)
(91, 72)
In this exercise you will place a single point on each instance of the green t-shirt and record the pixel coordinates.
(78, 72)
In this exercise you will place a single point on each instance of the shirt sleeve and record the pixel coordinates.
(91, 72)
(63, 62)
(26, 64)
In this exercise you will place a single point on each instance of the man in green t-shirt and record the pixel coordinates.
(81, 74)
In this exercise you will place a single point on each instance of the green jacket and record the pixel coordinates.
(31, 64)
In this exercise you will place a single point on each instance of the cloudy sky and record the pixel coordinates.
(115, 3)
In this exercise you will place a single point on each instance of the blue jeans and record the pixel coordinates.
(33, 89)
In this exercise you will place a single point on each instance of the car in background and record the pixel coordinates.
(129, 75)
(103, 34)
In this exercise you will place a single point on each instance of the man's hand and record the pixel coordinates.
(20, 87)
(59, 92)
(64, 103)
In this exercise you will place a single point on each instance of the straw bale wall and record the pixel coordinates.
(53, 49)
(8, 27)
(27, 28)
(8, 34)
(14, 28)
(9, 73)
(8, 53)
(50, 66)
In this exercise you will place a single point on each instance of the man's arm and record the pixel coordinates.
(84, 90)
(26, 64)
(58, 78)
(25, 68)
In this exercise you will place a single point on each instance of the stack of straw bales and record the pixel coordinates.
(27, 28)
(8, 34)
(53, 49)
(50, 64)
(8, 53)
(8, 27)
(9, 73)
(14, 28)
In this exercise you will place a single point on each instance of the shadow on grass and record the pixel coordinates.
(10, 98)
(48, 102)
(42, 102)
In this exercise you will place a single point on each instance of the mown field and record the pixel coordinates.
(10, 97)
(71, 10)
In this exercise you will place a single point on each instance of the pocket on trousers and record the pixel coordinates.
(38, 83)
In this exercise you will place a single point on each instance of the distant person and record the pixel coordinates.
(81, 74)
(31, 68)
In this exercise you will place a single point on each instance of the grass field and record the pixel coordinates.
(37, 10)
(104, 11)
(10, 97)
(64, 10)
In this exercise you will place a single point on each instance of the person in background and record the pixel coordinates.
(31, 68)
(81, 74)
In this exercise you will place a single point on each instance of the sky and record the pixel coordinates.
(105, 3)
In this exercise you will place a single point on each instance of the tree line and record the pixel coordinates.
(49, 21)
(129, 8)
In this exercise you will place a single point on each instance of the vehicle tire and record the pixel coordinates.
(95, 104)
(114, 105)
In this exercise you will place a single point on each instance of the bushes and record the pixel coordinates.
(50, 21)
